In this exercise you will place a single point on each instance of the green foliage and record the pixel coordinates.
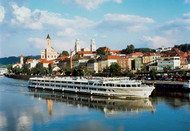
(153, 73)
(144, 50)
(14, 59)
(26, 58)
(183, 47)
(9, 68)
(130, 49)
(17, 70)
(80, 71)
(100, 51)
(49, 69)
(113, 70)
(128, 73)
(64, 53)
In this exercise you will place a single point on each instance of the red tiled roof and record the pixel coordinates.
(152, 54)
(188, 53)
(63, 57)
(115, 51)
(113, 57)
(46, 61)
(85, 52)
(135, 54)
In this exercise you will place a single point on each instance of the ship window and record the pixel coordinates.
(122, 85)
(128, 85)
(139, 85)
(118, 85)
(133, 85)
(103, 84)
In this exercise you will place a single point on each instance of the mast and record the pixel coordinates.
(71, 62)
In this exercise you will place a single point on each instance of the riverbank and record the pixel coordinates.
(21, 77)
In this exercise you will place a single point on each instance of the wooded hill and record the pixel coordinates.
(14, 59)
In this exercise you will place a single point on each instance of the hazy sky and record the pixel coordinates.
(113, 23)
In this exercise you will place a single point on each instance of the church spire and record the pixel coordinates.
(48, 40)
(48, 37)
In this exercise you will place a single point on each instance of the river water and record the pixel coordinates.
(22, 108)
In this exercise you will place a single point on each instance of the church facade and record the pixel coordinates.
(49, 53)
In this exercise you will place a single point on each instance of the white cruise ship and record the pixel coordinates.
(119, 87)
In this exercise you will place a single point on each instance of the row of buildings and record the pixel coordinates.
(167, 58)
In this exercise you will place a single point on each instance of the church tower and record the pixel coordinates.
(48, 40)
(77, 46)
(93, 45)
(49, 53)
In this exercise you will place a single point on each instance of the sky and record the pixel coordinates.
(24, 24)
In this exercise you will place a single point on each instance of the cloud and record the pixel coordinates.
(24, 17)
(92, 4)
(187, 1)
(158, 41)
(67, 32)
(118, 1)
(37, 42)
(2, 13)
(180, 24)
(3, 120)
(58, 44)
(89, 4)
(130, 23)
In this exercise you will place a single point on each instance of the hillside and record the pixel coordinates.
(14, 59)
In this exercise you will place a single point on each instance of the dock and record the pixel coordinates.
(169, 85)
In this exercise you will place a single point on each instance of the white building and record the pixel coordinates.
(32, 63)
(169, 62)
(19, 65)
(107, 61)
(92, 65)
(49, 53)
(77, 46)
(93, 45)
(159, 50)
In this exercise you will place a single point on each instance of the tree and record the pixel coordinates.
(26, 58)
(130, 49)
(144, 50)
(64, 53)
(153, 73)
(106, 71)
(25, 69)
(49, 69)
(9, 68)
(128, 73)
(100, 51)
(115, 69)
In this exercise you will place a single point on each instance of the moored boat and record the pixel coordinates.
(115, 86)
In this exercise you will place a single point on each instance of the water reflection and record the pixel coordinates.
(109, 105)
(25, 109)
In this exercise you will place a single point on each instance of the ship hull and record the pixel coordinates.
(136, 92)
